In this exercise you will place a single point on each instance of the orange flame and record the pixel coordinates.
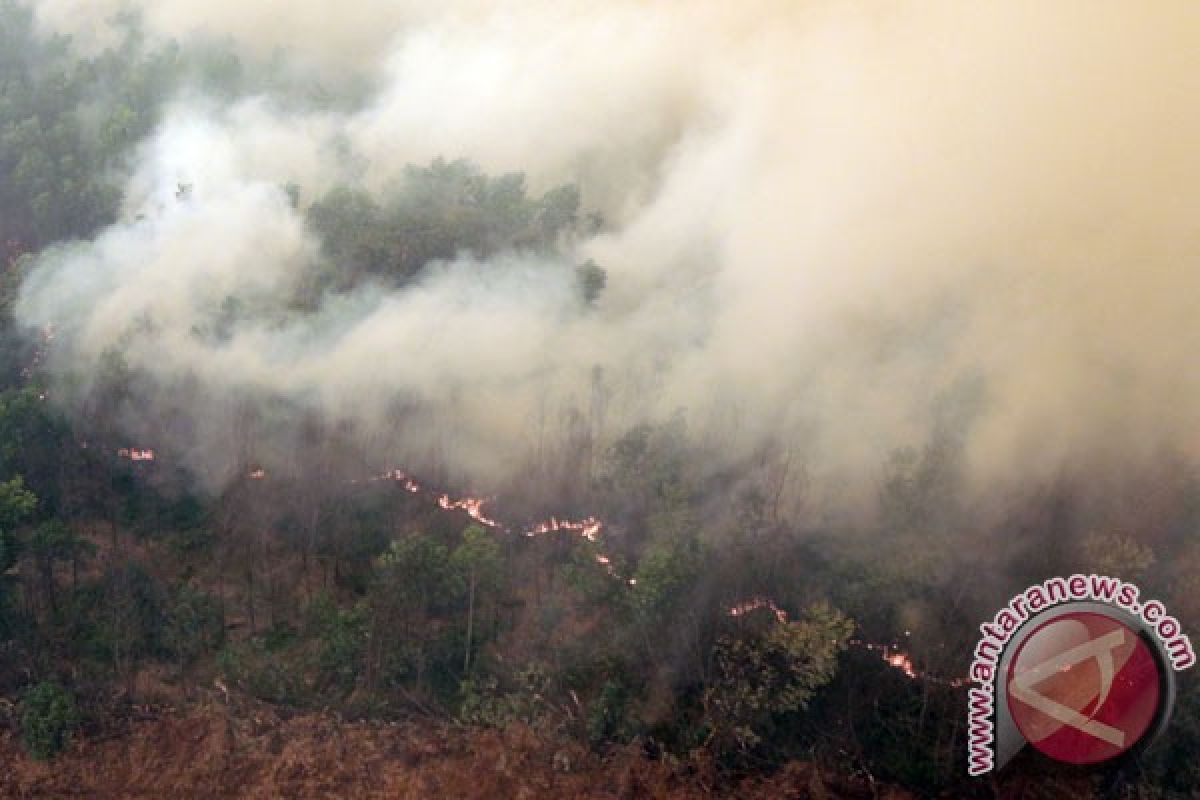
(588, 528)
(742, 609)
(472, 505)
(902, 662)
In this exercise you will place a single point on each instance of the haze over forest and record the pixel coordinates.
(825, 228)
(828, 326)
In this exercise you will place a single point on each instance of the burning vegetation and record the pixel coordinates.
(774, 347)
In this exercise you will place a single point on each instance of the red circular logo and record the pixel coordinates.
(1083, 688)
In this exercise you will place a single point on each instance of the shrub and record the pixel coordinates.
(48, 719)
(761, 673)
(193, 625)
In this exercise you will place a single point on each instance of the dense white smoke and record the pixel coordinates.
(826, 220)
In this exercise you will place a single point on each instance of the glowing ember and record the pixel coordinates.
(135, 454)
(257, 474)
(901, 662)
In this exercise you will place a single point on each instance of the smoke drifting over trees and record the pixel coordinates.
(683, 377)
(840, 228)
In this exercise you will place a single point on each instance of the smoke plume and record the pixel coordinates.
(841, 227)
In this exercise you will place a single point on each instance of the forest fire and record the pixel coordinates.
(595, 430)
(401, 477)
(893, 657)
(742, 609)
(901, 662)
(589, 527)
(898, 659)
(472, 505)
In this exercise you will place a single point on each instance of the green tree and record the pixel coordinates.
(764, 672)
(17, 504)
(53, 542)
(591, 280)
(478, 559)
(668, 570)
(644, 475)
(129, 623)
(33, 443)
(192, 626)
(414, 588)
(49, 718)
(435, 213)
(341, 636)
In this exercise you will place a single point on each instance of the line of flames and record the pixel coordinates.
(892, 655)
(590, 528)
